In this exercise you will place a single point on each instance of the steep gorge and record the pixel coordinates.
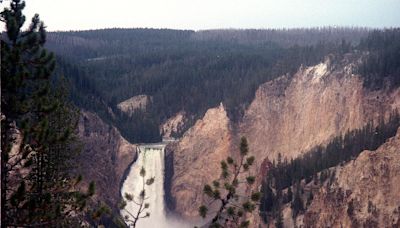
(288, 115)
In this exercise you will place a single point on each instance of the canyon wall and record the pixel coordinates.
(105, 157)
(292, 115)
(288, 115)
(173, 125)
(364, 193)
(196, 160)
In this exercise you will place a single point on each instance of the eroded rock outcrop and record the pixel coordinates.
(196, 160)
(364, 193)
(292, 115)
(104, 158)
(173, 125)
(288, 115)
(134, 103)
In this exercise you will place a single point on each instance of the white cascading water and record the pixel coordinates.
(151, 157)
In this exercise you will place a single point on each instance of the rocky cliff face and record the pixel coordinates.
(365, 192)
(292, 115)
(105, 157)
(196, 160)
(134, 103)
(288, 115)
(173, 125)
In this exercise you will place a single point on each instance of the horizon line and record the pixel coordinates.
(368, 28)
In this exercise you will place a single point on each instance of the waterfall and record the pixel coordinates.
(151, 157)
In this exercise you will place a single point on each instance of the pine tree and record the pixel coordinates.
(297, 204)
(310, 198)
(279, 219)
(232, 208)
(315, 178)
(289, 194)
(140, 200)
(38, 138)
(268, 201)
(268, 198)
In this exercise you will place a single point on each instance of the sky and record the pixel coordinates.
(213, 14)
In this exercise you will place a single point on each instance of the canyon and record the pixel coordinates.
(176, 128)
(288, 116)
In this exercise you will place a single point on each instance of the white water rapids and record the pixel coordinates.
(151, 157)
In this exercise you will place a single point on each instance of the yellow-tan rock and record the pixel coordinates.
(365, 192)
(173, 125)
(197, 158)
(288, 115)
(292, 115)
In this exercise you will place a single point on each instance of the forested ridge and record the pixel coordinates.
(47, 77)
(189, 71)
(183, 70)
(285, 37)
(382, 64)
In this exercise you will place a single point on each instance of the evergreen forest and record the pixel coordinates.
(314, 166)
(47, 78)
(184, 70)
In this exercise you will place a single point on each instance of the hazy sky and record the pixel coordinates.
(209, 14)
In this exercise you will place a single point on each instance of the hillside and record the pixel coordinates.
(318, 103)
(288, 116)
(209, 90)
(183, 70)
(364, 192)
(177, 114)
(105, 157)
